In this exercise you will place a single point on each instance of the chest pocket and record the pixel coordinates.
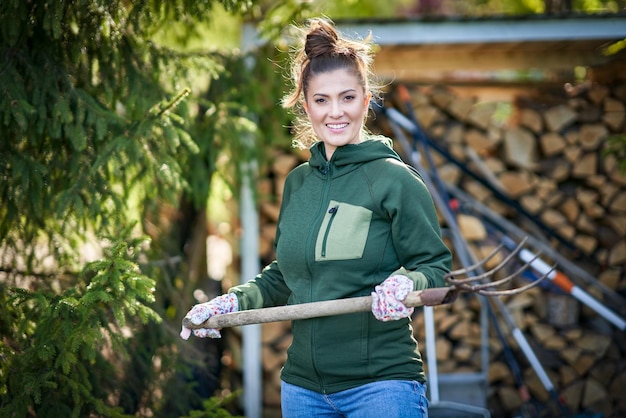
(343, 233)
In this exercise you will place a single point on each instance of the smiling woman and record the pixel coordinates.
(332, 87)
(336, 105)
(354, 221)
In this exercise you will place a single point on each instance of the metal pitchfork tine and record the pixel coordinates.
(426, 297)
(471, 284)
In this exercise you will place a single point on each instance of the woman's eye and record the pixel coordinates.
(319, 100)
(348, 98)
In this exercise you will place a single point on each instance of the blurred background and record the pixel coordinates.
(142, 156)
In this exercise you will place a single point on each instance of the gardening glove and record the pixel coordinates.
(388, 296)
(199, 313)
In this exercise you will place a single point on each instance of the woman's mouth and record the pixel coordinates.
(336, 126)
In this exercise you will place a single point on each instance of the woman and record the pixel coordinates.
(355, 220)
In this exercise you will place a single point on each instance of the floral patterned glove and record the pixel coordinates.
(198, 314)
(388, 296)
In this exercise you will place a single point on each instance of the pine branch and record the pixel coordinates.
(67, 334)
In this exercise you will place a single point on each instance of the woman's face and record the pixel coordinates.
(336, 105)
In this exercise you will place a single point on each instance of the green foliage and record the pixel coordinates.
(86, 117)
(213, 408)
(241, 117)
(58, 339)
(362, 8)
(102, 126)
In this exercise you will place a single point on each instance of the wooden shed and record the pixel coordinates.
(576, 69)
(489, 50)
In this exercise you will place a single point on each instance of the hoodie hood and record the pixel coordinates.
(349, 156)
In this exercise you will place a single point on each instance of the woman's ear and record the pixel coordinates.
(305, 107)
(368, 97)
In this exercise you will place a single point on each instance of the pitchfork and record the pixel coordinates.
(469, 282)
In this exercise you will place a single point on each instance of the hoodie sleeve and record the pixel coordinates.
(265, 290)
(268, 288)
(416, 234)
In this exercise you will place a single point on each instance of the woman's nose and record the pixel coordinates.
(336, 110)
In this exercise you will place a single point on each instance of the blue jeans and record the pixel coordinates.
(387, 398)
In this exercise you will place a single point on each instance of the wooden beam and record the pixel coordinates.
(492, 30)
(419, 63)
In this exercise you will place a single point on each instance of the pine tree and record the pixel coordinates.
(99, 131)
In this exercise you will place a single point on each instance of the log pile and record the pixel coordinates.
(549, 154)
(552, 159)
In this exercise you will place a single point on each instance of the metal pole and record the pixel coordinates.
(250, 262)
(250, 267)
(431, 354)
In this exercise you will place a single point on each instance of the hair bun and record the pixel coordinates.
(321, 40)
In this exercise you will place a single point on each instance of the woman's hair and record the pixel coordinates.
(322, 51)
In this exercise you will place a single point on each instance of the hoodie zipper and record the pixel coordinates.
(326, 168)
(326, 171)
(333, 213)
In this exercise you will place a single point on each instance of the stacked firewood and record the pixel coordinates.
(551, 158)
(549, 154)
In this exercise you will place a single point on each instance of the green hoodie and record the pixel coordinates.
(345, 226)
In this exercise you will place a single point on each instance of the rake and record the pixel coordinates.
(463, 280)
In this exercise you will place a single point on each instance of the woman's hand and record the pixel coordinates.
(198, 314)
(388, 296)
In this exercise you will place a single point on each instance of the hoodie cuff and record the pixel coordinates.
(248, 296)
(420, 282)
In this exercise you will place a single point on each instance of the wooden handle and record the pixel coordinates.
(426, 297)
